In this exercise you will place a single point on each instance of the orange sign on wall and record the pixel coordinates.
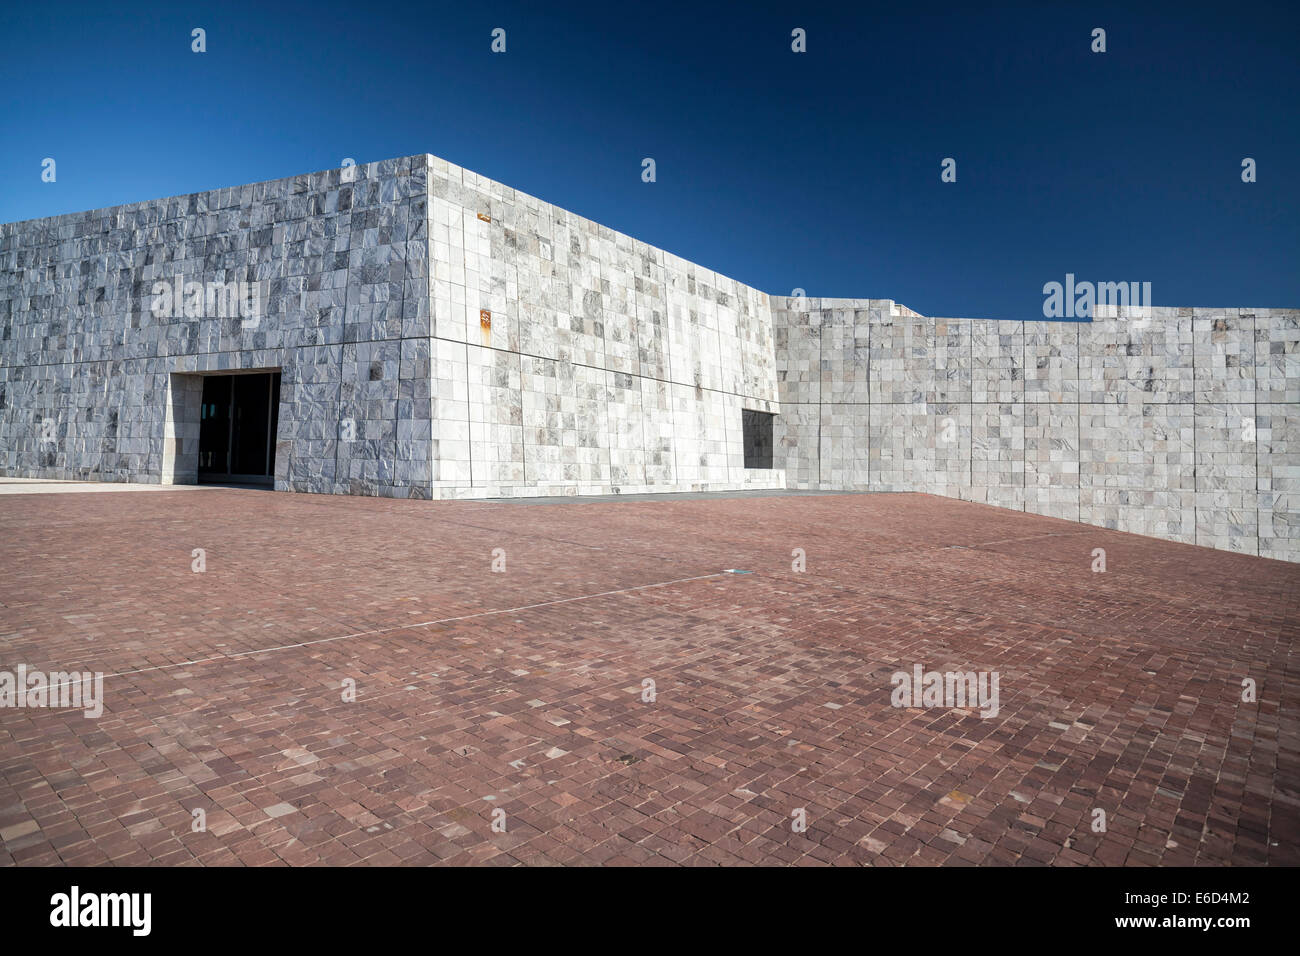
(485, 218)
(485, 318)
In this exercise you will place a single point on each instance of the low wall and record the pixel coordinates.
(1181, 425)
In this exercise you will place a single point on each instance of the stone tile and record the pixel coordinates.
(523, 690)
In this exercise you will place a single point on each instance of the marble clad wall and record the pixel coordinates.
(439, 334)
(341, 267)
(443, 335)
(1178, 423)
(593, 363)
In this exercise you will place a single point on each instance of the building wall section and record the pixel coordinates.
(1180, 423)
(591, 362)
(442, 335)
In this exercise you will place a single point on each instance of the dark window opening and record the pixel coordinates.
(757, 427)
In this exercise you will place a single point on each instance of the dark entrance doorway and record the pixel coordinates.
(237, 428)
(756, 430)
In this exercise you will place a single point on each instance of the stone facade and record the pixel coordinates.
(1178, 423)
(442, 335)
(438, 335)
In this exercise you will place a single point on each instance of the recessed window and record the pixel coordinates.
(757, 427)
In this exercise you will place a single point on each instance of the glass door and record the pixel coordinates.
(237, 428)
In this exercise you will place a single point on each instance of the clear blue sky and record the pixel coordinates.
(818, 170)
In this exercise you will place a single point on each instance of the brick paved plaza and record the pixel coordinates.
(522, 690)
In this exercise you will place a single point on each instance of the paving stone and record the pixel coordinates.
(522, 691)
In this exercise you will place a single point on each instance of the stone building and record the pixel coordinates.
(411, 329)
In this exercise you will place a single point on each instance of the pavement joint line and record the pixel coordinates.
(403, 627)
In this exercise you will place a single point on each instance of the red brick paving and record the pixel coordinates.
(1119, 691)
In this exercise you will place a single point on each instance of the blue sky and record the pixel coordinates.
(818, 170)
